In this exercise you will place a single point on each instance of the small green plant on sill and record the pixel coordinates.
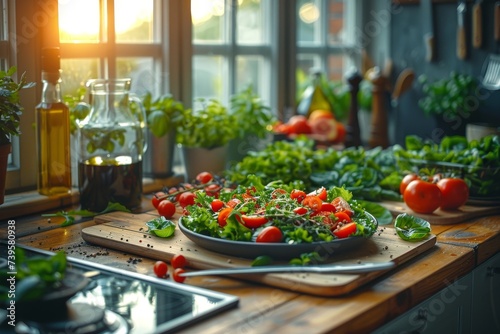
(10, 107)
(251, 115)
(210, 126)
(448, 97)
(163, 114)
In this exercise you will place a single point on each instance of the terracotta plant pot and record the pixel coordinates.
(197, 160)
(4, 155)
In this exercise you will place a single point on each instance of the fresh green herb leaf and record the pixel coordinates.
(69, 216)
(306, 259)
(37, 275)
(382, 214)
(161, 227)
(262, 260)
(411, 228)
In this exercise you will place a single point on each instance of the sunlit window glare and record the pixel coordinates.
(203, 10)
(79, 18)
(309, 13)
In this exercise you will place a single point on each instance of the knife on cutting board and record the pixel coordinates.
(461, 42)
(477, 24)
(428, 30)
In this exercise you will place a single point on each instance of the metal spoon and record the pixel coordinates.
(321, 269)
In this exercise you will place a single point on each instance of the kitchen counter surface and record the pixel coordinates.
(263, 309)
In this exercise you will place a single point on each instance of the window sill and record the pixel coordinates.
(32, 202)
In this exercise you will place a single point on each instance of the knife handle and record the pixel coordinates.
(497, 21)
(461, 47)
(430, 42)
(477, 26)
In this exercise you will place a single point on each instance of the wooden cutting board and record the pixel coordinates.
(441, 217)
(128, 232)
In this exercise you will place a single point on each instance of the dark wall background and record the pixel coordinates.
(402, 36)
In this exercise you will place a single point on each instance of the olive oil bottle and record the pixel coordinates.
(52, 130)
(313, 97)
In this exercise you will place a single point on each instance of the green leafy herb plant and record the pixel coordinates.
(163, 114)
(10, 107)
(252, 116)
(448, 97)
(207, 127)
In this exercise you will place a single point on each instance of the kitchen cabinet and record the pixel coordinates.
(486, 297)
(448, 311)
(470, 305)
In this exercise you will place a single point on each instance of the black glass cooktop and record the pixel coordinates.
(117, 301)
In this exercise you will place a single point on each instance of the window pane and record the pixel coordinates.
(249, 19)
(336, 67)
(134, 21)
(208, 20)
(336, 22)
(308, 21)
(208, 77)
(76, 72)
(79, 21)
(140, 70)
(249, 71)
(305, 63)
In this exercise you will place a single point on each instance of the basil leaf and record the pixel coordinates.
(383, 215)
(161, 227)
(411, 228)
(262, 260)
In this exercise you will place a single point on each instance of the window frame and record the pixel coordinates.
(176, 30)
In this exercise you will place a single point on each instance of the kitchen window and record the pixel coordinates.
(230, 44)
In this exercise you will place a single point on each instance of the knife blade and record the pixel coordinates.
(461, 42)
(428, 29)
(477, 24)
(322, 269)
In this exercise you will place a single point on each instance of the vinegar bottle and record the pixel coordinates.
(313, 97)
(52, 130)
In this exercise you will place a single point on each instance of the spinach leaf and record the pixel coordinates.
(411, 228)
(161, 227)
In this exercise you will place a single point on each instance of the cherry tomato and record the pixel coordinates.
(341, 204)
(178, 261)
(204, 177)
(328, 207)
(342, 216)
(213, 190)
(233, 202)
(270, 234)
(298, 195)
(176, 276)
(313, 202)
(422, 196)
(216, 205)
(166, 209)
(160, 269)
(253, 221)
(345, 230)
(173, 190)
(222, 217)
(186, 199)
(455, 193)
(327, 218)
(300, 210)
(406, 180)
(321, 193)
(155, 200)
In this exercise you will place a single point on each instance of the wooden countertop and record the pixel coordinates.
(459, 249)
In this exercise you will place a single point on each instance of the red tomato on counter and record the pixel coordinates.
(455, 193)
(422, 196)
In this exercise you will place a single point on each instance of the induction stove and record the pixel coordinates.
(117, 301)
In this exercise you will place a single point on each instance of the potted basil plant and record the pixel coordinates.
(450, 100)
(164, 114)
(254, 122)
(10, 117)
(203, 136)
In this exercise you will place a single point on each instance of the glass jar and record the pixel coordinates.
(112, 141)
